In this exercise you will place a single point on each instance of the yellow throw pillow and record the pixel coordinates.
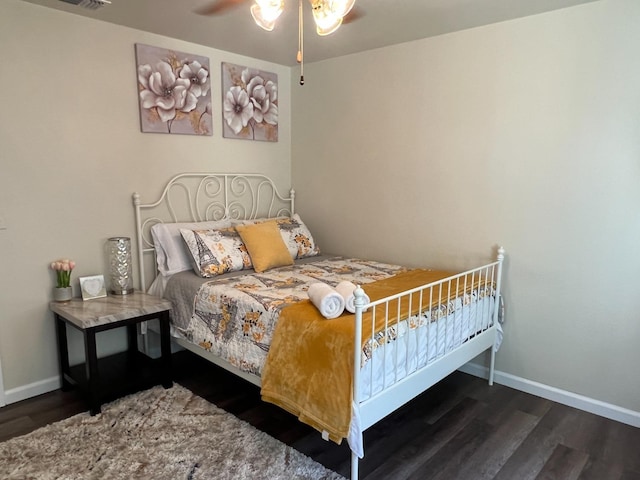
(265, 245)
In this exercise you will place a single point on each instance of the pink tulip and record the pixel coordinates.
(63, 268)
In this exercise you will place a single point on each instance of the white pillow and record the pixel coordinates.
(172, 254)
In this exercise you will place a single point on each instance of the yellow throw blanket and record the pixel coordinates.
(309, 368)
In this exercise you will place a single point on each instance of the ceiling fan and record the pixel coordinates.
(327, 14)
(272, 8)
(218, 7)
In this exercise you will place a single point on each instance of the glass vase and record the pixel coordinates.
(120, 265)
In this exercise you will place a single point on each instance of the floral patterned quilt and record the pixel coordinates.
(235, 318)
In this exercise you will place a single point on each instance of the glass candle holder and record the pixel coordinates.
(120, 265)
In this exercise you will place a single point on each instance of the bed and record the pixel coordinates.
(239, 264)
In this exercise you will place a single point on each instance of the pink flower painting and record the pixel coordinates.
(249, 103)
(174, 91)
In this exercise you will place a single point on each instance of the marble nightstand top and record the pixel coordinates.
(110, 309)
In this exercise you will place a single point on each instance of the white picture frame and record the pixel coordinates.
(92, 287)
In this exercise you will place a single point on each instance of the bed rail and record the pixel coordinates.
(197, 197)
(449, 322)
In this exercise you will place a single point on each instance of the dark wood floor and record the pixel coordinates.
(459, 429)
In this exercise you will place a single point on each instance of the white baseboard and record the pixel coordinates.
(603, 409)
(3, 402)
(32, 390)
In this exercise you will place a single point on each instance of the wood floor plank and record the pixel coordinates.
(526, 462)
(51, 400)
(629, 475)
(565, 463)
(454, 454)
(597, 470)
(618, 444)
(521, 401)
(16, 427)
(603, 439)
(416, 450)
(446, 394)
(333, 456)
(499, 446)
(575, 428)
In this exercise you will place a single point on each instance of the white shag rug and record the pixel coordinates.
(155, 434)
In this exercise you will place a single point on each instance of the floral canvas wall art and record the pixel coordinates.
(174, 91)
(249, 103)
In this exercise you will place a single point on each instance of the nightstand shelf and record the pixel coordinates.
(103, 379)
(120, 374)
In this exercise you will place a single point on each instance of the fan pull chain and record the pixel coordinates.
(300, 57)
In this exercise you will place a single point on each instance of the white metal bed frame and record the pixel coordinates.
(191, 197)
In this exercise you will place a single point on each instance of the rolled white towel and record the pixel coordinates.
(329, 302)
(346, 289)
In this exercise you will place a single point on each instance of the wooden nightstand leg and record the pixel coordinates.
(165, 348)
(92, 371)
(63, 353)
(132, 338)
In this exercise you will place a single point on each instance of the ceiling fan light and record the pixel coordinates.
(266, 12)
(326, 20)
(342, 7)
(327, 28)
(276, 6)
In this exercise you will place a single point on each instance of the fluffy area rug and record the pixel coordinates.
(155, 434)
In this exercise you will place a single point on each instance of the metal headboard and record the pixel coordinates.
(197, 197)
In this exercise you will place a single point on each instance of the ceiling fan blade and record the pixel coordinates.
(356, 13)
(218, 7)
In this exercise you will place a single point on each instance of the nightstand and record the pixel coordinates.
(109, 377)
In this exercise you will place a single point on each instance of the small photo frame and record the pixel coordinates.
(92, 287)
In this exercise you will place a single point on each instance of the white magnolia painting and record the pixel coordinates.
(249, 103)
(174, 91)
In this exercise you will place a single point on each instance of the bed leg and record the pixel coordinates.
(354, 466)
(492, 365)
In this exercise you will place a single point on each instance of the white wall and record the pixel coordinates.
(525, 134)
(72, 154)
